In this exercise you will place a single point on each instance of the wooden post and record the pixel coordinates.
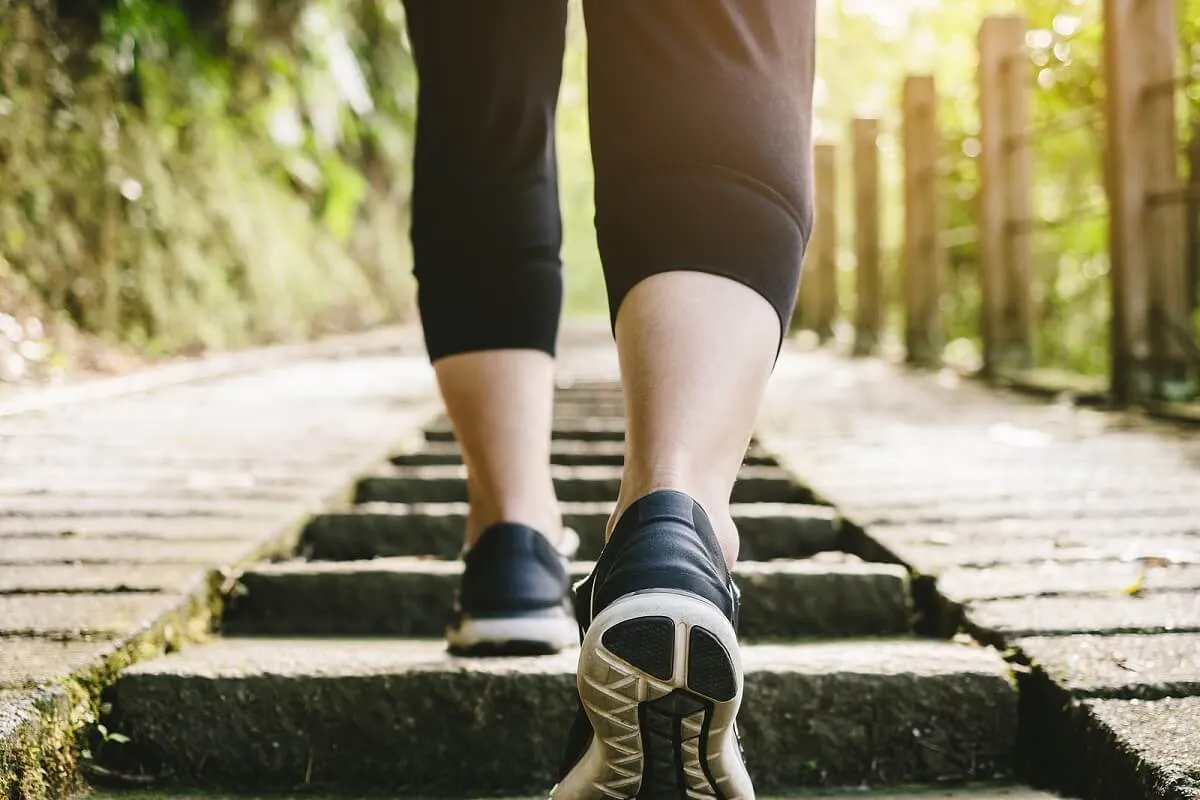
(1193, 221)
(868, 312)
(825, 241)
(1166, 228)
(1148, 276)
(923, 254)
(816, 307)
(806, 301)
(1005, 195)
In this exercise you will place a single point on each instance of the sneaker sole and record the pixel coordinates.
(660, 677)
(527, 635)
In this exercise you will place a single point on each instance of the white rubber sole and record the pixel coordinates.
(660, 677)
(530, 634)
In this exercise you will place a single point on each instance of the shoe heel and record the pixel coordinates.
(660, 680)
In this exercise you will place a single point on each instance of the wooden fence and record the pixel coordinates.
(1151, 211)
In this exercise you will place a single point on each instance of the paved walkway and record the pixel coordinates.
(122, 500)
(1069, 537)
(125, 501)
(961, 794)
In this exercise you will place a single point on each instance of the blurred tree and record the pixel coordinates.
(867, 47)
(164, 163)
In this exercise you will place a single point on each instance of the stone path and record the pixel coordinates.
(1069, 537)
(123, 501)
(343, 684)
(1062, 540)
(1001, 793)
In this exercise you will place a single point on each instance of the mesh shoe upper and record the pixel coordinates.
(511, 570)
(663, 541)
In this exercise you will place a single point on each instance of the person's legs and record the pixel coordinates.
(486, 235)
(701, 130)
(701, 114)
(695, 350)
(501, 405)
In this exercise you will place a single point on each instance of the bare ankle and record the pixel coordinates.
(727, 533)
(537, 510)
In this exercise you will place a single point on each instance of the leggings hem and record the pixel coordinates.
(703, 222)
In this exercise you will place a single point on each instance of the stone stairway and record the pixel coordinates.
(330, 673)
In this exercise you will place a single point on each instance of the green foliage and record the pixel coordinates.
(185, 174)
(584, 291)
(1071, 252)
(195, 173)
(1066, 68)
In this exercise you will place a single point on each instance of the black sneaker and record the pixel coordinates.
(660, 672)
(515, 597)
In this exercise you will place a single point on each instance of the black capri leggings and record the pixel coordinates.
(701, 117)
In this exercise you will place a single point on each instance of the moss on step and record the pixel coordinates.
(37, 745)
(47, 735)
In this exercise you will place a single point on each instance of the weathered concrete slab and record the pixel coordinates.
(969, 793)
(137, 491)
(1048, 579)
(768, 531)
(1104, 507)
(71, 550)
(1121, 749)
(148, 530)
(158, 419)
(562, 453)
(361, 715)
(602, 429)
(580, 431)
(37, 753)
(934, 548)
(932, 557)
(78, 616)
(148, 507)
(16, 708)
(384, 347)
(31, 578)
(1120, 667)
(126, 482)
(572, 412)
(414, 597)
(1053, 528)
(1056, 616)
(35, 454)
(583, 484)
(799, 599)
(1008, 485)
(149, 492)
(27, 662)
(948, 476)
(569, 454)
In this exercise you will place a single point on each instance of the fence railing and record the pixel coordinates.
(1146, 176)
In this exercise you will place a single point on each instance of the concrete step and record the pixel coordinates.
(562, 453)
(413, 597)
(570, 414)
(604, 429)
(593, 484)
(400, 716)
(589, 406)
(768, 530)
(588, 387)
(974, 792)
